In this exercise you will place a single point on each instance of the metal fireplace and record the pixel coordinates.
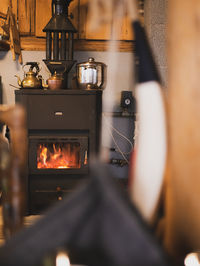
(63, 134)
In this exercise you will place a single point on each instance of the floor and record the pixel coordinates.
(29, 220)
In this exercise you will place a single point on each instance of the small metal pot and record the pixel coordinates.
(55, 82)
(91, 74)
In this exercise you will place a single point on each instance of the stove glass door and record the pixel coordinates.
(49, 154)
(58, 155)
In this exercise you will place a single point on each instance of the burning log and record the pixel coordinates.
(12, 168)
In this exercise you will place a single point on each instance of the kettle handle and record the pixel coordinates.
(32, 66)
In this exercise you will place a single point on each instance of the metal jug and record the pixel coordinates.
(31, 79)
(91, 74)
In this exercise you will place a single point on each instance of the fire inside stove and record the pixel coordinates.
(58, 155)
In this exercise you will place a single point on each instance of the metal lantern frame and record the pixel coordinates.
(59, 39)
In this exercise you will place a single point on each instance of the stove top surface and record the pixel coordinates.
(57, 92)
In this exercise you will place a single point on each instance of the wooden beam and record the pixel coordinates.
(39, 44)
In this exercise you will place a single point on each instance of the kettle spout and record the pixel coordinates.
(43, 84)
(18, 80)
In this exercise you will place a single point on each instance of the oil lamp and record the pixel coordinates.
(59, 39)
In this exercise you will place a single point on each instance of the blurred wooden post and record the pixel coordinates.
(183, 185)
(12, 169)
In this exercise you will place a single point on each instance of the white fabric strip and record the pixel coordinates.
(151, 148)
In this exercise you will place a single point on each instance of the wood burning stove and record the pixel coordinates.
(63, 134)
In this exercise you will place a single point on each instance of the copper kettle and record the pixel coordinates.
(31, 78)
(55, 82)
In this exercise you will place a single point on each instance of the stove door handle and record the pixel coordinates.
(58, 113)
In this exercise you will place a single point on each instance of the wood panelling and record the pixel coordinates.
(119, 25)
(35, 44)
(82, 18)
(126, 32)
(102, 32)
(42, 18)
(14, 7)
(24, 11)
(43, 15)
(4, 9)
(33, 15)
(74, 15)
(4, 6)
(26, 16)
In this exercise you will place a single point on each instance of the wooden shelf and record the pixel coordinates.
(4, 45)
(39, 44)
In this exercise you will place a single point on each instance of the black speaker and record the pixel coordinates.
(127, 101)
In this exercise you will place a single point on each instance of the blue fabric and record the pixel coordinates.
(146, 70)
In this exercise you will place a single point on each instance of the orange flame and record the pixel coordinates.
(58, 156)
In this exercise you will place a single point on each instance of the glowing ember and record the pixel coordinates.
(58, 156)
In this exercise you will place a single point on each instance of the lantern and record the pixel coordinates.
(59, 39)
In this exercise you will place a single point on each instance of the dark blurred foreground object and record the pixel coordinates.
(97, 225)
(12, 168)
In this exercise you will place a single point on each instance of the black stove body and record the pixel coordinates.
(63, 135)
